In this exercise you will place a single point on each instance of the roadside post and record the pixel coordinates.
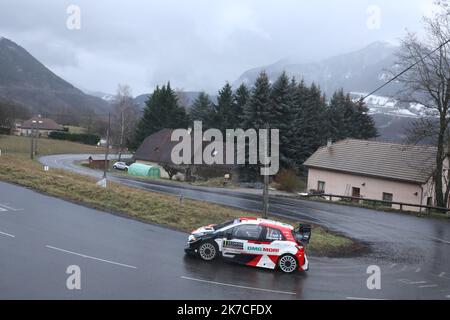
(266, 178)
(33, 132)
(107, 147)
(32, 140)
(37, 136)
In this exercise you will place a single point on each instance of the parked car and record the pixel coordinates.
(120, 166)
(253, 242)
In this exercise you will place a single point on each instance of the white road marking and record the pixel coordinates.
(393, 265)
(418, 270)
(440, 240)
(6, 208)
(337, 267)
(3, 209)
(441, 275)
(93, 258)
(237, 286)
(429, 286)
(7, 234)
(406, 281)
(356, 298)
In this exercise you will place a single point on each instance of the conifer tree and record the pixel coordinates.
(241, 98)
(311, 123)
(161, 111)
(363, 123)
(255, 113)
(255, 116)
(225, 109)
(203, 110)
(281, 116)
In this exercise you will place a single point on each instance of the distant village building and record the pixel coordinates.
(44, 125)
(374, 170)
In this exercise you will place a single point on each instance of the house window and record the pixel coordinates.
(388, 197)
(356, 192)
(321, 186)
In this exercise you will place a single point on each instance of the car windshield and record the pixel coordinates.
(226, 224)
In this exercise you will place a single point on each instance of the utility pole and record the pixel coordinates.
(39, 122)
(32, 140)
(122, 129)
(107, 146)
(33, 137)
(266, 177)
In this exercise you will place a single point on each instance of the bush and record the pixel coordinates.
(90, 139)
(4, 130)
(288, 181)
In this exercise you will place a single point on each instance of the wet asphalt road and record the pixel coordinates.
(40, 236)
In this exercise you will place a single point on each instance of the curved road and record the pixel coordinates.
(413, 253)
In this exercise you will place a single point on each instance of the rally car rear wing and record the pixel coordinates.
(303, 234)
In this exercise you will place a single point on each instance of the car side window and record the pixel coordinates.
(247, 232)
(274, 235)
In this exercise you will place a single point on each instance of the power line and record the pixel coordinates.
(404, 71)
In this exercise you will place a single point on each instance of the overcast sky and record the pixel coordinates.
(196, 44)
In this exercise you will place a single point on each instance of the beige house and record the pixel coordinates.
(374, 170)
(38, 124)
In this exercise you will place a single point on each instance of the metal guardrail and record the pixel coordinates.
(388, 204)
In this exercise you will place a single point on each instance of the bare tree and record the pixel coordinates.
(428, 83)
(125, 117)
(10, 112)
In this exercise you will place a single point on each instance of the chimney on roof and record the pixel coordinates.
(329, 143)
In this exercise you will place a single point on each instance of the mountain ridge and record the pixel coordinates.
(24, 80)
(361, 70)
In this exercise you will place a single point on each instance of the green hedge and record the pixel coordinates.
(4, 130)
(90, 139)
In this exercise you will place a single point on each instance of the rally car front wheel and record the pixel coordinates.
(208, 251)
(287, 263)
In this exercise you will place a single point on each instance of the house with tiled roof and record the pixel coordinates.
(374, 170)
(39, 124)
(156, 150)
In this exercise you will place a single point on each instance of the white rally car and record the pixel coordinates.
(253, 242)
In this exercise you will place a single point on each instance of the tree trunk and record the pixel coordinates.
(438, 185)
(122, 129)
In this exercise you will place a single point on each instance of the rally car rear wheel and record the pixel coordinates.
(287, 263)
(208, 251)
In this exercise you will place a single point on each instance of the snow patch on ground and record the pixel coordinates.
(390, 106)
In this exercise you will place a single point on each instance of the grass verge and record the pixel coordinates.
(22, 145)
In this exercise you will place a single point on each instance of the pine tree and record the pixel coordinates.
(363, 123)
(347, 119)
(255, 113)
(225, 109)
(255, 116)
(337, 129)
(280, 116)
(161, 111)
(242, 96)
(203, 110)
(311, 119)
